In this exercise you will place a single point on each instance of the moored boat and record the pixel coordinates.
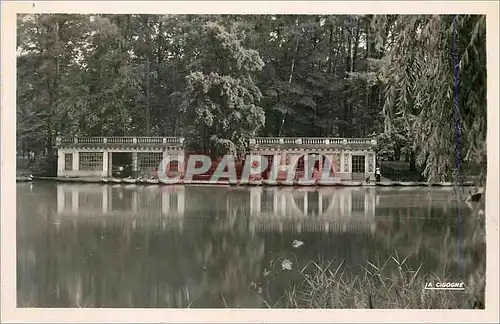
(129, 181)
(152, 181)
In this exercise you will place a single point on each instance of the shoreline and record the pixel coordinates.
(145, 182)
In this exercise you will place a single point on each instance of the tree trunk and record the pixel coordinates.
(413, 162)
(148, 78)
(290, 78)
(346, 87)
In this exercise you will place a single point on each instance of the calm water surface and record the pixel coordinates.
(174, 246)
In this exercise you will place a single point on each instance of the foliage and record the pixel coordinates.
(218, 80)
(420, 86)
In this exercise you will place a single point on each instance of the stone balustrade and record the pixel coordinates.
(119, 140)
(311, 141)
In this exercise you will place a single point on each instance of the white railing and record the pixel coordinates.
(120, 140)
(311, 141)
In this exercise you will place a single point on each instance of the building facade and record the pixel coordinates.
(94, 156)
(350, 158)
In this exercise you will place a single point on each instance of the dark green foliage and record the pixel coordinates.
(218, 80)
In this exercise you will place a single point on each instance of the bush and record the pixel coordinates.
(45, 167)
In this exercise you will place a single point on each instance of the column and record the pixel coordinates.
(165, 202)
(367, 165)
(341, 197)
(320, 203)
(275, 203)
(74, 201)
(283, 204)
(134, 201)
(342, 160)
(105, 198)
(283, 159)
(282, 169)
(181, 199)
(60, 162)
(320, 164)
(60, 199)
(251, 226)
(374, 164)
(255, 201)
(110, 164)
(330, 164)
(76, 161)
(105, 164)
(348, 204)
(110, 199)
(164, 154)
(306, 207)
(181, 162)
(370, 203)
(306, 166)
(134, 164)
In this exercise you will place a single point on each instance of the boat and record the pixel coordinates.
(129, 181)
(255, 182)
(352, 183)
(407, 184)
(385, 184)
(152, 181)
(115, 180)
(104, 180)
(335, 182)
(307, 183)
(167, 182)
(270, 183)
(24, 179)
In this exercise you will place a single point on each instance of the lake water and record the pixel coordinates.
(202, 246)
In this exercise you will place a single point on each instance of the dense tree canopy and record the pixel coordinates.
(218, 80)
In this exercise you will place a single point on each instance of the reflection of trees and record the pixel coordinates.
(214, 258)
(116, 266)
(430, 236)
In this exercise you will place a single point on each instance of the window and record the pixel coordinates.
(300, 164)
(336, 162)
(174, 166)
(68, 161)
(358, 164)
(358, 202)
(267, 202)
(91, 161)
(90, 201)
(149, 160)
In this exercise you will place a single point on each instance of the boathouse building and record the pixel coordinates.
(350, 158)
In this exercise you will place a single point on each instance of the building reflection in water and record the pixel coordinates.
(121, 203)
(269, 209)
(168, 246)
(312, 209)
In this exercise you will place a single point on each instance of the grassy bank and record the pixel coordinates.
(391, 284)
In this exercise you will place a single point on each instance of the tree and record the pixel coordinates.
(221, 99)
(420, 87)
